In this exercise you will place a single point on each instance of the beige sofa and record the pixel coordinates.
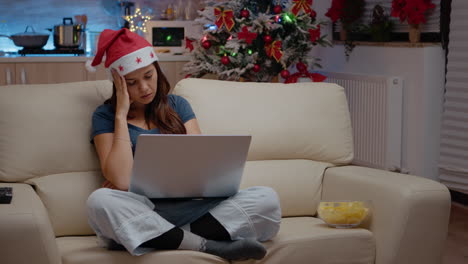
(301, 146)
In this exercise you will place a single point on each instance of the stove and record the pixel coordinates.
(71, 51)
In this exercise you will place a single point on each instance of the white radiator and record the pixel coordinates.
(376, 107)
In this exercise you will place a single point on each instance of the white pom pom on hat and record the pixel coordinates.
(124, 50)
(89, 67)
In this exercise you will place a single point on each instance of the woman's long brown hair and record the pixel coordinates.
(158, 111)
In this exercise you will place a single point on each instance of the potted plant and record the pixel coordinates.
(348, 12)
(412, 11)
(381, 26)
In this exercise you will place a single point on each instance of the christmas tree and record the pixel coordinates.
(255, 40)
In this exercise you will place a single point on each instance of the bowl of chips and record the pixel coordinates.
(344, 213)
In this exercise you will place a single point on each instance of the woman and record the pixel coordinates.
(230, 228)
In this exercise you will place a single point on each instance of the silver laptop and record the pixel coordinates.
(188, 166)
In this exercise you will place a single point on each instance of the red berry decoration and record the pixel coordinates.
(206, 44)
(277, 9)
(225, 60)
(245, 13)
(256, 68)
(284, 74)
(268, 39)
(301, 67)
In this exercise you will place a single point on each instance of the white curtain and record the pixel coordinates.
(453, 162)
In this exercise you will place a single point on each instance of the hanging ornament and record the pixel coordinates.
(188, 44)
(268, 39)
(225, 60)
(278, 19)
(206, 44)
(245, 13)
(301, 67)
(256, 68)
(248, 36)
(313, 14)
(284, 74)
(274, 50)
(277, 9)
(299, 5)
(314, 34)
(224, 17)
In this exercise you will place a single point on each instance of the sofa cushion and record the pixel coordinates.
(85, 250)
(310, 240)
(286, 121)
(300, 240)
(47, 130)
(297, 182)
(64, 195)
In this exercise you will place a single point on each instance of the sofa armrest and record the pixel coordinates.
(410, 213)
(26, 234)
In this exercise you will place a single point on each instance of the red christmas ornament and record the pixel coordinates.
(256, 68)
(301, 67)
(206, 44)
(277, 9)
(313, 14)
(268, 39)
(225, 60)
(245, 13)
(284, 74)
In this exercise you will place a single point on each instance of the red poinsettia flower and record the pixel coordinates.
(412, 11)
(336, 10)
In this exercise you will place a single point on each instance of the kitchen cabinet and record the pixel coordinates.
(43, 70)
(7, 73)
(49, 72)
(41, 73)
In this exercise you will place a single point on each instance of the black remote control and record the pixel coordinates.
(6, 193)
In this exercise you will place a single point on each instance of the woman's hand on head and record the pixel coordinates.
(123, 98)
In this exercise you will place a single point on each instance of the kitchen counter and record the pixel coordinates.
(73, 58)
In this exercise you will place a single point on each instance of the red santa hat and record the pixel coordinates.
(125, 51)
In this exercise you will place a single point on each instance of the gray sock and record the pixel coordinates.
(235, 250)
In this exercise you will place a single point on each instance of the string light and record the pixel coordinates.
(289, 18)
(135, 19)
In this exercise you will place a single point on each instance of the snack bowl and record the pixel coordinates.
(344, 213)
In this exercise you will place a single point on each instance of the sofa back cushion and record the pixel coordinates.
(297, 182)
(45, 129)
(286, 121)
(64, 195)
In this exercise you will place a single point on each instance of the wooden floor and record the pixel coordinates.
(456, 249)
